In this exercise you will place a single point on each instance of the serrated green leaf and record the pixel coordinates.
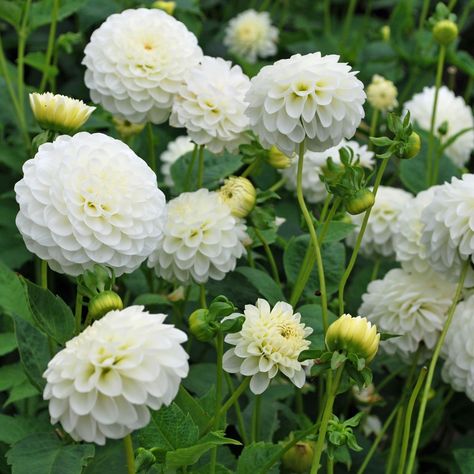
(189, 405)
(464, 459)
(108, 459)
(40, 14)
(21, 391)
(15, 428)
(10, 11)
(255, 456)
(264, 284)
(11, 375)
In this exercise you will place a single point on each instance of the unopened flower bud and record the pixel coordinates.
(385, 32)
(278, 159)
(445, 32)
(356, 335)
(127, 129)
(443, 128)
(359, 202)
(104, 302)
(200, 325)
(299, 457)
(239, 194)
(168, 7)
(412, 147)
(366, 395)
(177, 295)
(382, 93)
(59, 113)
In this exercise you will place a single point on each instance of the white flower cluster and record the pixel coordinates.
(251, 35)
(105, 379)
(89, 199)
(174, 150)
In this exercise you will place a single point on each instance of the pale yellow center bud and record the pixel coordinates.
(239, 194)
(168, 7)
(277, 159)
(385, 32)
(382, 94)
(127, 129)
(445, 32)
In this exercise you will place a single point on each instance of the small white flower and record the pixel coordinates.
(312, 98)
(174, 150)
(382, 94)
(314, 189)
(251, 35)
(89, 199)
(458, 350)
(448, 232)
(413, 305)
(211, 105)
(450, 109)
(269, 342)
(201, 239)
(103, 382)
(383, 221)
(136, 61)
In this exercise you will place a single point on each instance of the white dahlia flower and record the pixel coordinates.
(211, 105)
(136, 61)
(174, 150)
(382, 94)
(409, 250)
(450, 109)
(312, 98)
(458, 350)
(103, 382)
(448, 232)
(89, 199)
(314, 189)
(383, 222)
(251, 35)
(413, 305)
(201, 239)
(269, 342)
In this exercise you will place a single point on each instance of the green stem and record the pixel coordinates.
(238, 411)
(299, 401)
(437, 159)
(275, 187)
(44, 274)
(256, 418)
(408, 414)
(348, 20)
(387, 379)
(327, 17)
(78, 311)
(330, 466)
(151, 147)
(200, 167)
(350, 266)
(22, 36)
(373, 126)
(129, 454)
(468, 90)
(424, 14)
(50, 48)
(190, 169)
(217, 409)
(269, 254)
(250, 168)
(325, 208)
(332, 212)
(395, 440)
(375, 269)
(325, 420)
(431, 369)
(465, 15)
(202, 295)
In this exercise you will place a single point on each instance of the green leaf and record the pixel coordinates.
(337, 360)
(255, 456)
(464, 459)
(42, 453)
(337, 230)
(264, 284)
(311, 315)
(40, 14)
(11, 375)
(151, 299)
(7, 343)
(15, 428)
(10, 11)
(20, 392)
(189, 405)
(108, 459)
(37, 60)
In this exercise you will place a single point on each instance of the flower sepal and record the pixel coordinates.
(340, 434)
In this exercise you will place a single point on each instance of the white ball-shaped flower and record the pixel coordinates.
(251, 35)
(409, 250)
(270, 341)
(136, 61)
(211, 105)
(102, 384)
(450, 109)
(314, 189)
(89, 199)
(201, 239)
(309, 98)
(382, 94)
(448, 232)
(458, 350)
(383, 222)
(174, 150)
(412, 305)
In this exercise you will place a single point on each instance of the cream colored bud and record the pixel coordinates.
(382, 94)
(445, 32)
(177, 295)
(127, 129)
(239, 194)
(366, 395)
(59, 113)
(278, 159)
(168, 7)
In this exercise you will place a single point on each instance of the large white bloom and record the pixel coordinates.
(312, 97)
(270, 341)
(413, 305)
(450, 109)
(211, 105)
(174, 150)
(136, 61)
(314, 189)
(458, 350)
(201, 240)
(89, 199)
(448, 232)
(409, 250)
(251, 35)
(383, 221)
(105, 379)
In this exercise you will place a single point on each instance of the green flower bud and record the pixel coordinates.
(239, 194)
(168, 7)
(200, 325)
(385, 32)
(278, 159)
(299, 457)
(412, 147)
(443, 128)
(445, 32)
(104, 302)
(360, 201)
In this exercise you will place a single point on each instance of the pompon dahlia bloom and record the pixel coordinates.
(382, 94)
(450, 109)
(448, 232)
(105, 379)
(413, 305)
(314, 189)
(136, 61)
(211, 105)
(251, 35)
(312, 98)
(270, 341)
(201, 239)
(383, 222)
(409, 250)
(174, 150)
(89, 199)
(458, 350)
